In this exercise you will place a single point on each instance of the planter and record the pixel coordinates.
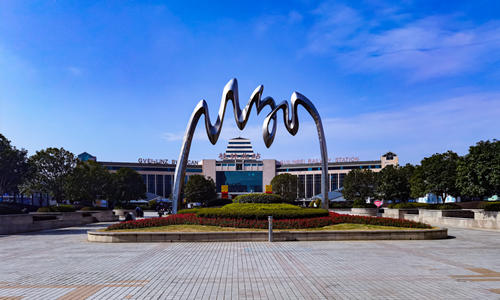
(370, 212)
(239, 236)
(399, 213)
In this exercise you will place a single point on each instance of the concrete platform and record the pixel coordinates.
(246, 236)
(62, 264)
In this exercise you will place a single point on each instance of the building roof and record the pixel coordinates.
(86, 156)
(239, 148)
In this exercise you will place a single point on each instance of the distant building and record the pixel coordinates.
(244, 171)
(85, 157)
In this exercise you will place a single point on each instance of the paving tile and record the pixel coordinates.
(61, 264)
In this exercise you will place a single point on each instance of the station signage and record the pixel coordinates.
(317, 160)
(151, 161)
(239, 156)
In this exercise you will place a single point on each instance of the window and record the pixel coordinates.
(159, 185)
(239, 151)
(239, 167)
(151, 184)
(168, 185)
(334, 182)
(309, 185)
(317, 184)
(341, 180)
(301, 186)
(241, 181)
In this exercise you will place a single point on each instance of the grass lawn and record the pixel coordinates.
(202, 228)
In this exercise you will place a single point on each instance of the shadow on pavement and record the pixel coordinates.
(64, 231)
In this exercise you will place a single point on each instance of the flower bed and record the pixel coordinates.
(331, 219)
(261, 211)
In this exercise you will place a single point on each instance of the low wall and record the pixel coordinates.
(11, 224)
(357, 211)
(398, 213)
(245, 236)
(465, 218)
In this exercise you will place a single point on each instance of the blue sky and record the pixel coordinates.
(119, 79)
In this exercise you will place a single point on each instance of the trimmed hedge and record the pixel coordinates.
(425, 205)
(261, 211)
(331, 219)
(342, 204)
(90, 208)
(490, 206)
(59, 208)
(259, 198)
(404, 205)
(219, 202)
(188, 211)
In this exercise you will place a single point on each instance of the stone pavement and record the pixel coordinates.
(61, 264)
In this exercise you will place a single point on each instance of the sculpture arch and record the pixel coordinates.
(230, 93)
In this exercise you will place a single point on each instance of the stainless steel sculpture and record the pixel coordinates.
(230, 93)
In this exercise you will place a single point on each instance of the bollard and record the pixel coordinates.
(270, 220)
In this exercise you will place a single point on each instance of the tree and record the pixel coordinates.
(14, 166)
(88, 182)
(200, 189)
(417, 183)
(285, 185)
(478, 173)
(359, 185)
(51, 167)
(127, 185)
(439, 174)
(393, 183)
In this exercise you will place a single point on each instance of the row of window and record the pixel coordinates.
(241, 143)
(160, 185)
(244, 181)
(166, 169)
(310, 185)
(239, 151)
(232, 165)
(329, 168)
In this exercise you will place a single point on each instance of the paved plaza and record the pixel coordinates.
(61, 264)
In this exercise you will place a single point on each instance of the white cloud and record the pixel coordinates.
(424, 48)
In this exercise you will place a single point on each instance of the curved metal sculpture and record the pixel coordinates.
(230, 93)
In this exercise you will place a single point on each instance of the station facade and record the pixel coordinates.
(244, 171)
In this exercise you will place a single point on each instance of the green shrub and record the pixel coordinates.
(259, 198)
(342, 204)
(152, 204)
(444, 206)
(9, 210)
(490, 206)
(404, 205)
(425, 205)
(219, 202)
(188, 211)
(261, 211)
(91, 208)
(59, 208)
(362, 204)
